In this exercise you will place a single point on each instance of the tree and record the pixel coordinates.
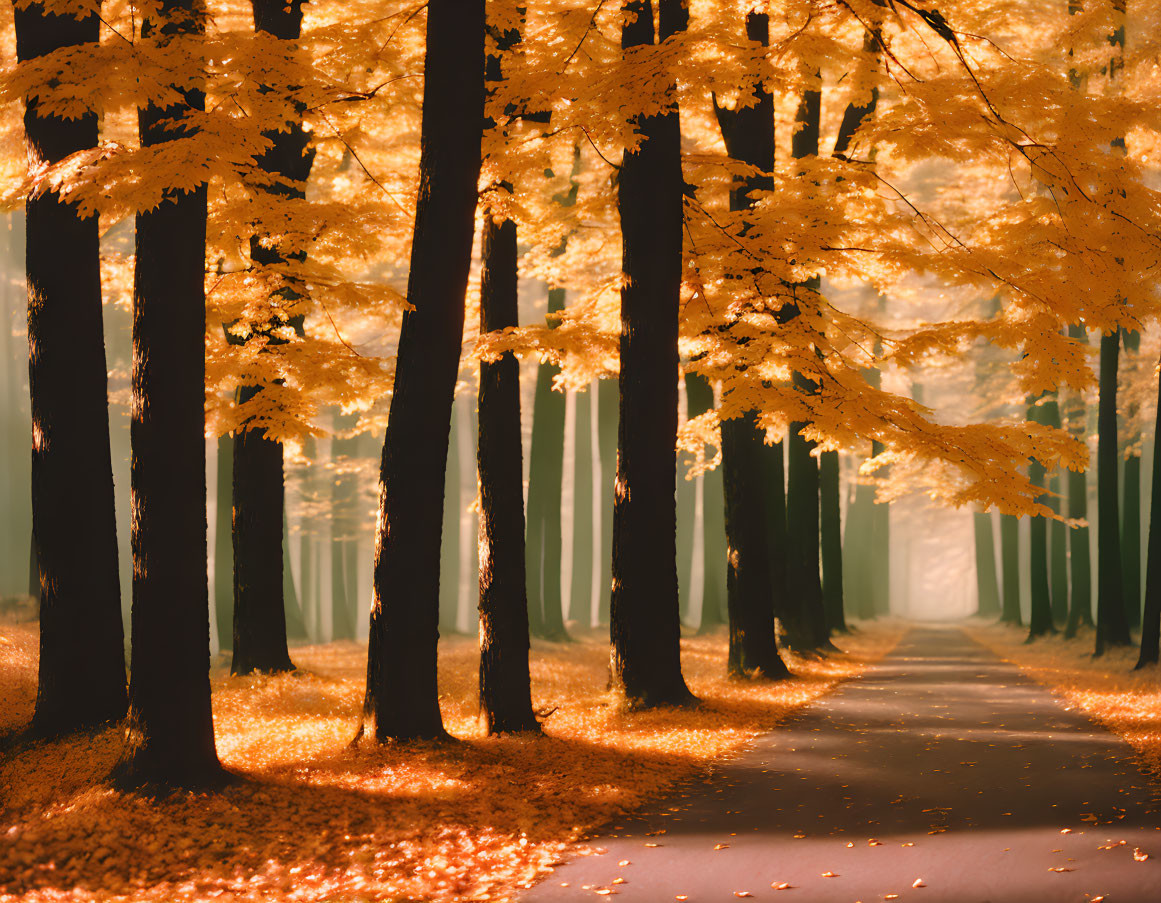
(82, 657)
(1040, 611)
(645, 615)
(988, 586)
(505, 684)
(1150, 652)
(608, 402)
(1010, 569)
(449, 549)
(258, 480)
(171, 732)
(402, 694)
(1080, 572)
(830, 532)
(1112, 624)
(545, 478)
(699, 395)
(580, 596)
(1131, 509)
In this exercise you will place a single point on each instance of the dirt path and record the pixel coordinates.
(941, 765)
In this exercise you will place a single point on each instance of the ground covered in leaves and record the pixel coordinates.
(1107, 689)
(312, 819)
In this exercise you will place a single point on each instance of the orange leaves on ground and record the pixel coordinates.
(313, 819)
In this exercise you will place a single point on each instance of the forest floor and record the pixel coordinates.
(1107, 689)
(311, 819)
(941, 775)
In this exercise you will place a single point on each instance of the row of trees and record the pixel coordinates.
(719, 278)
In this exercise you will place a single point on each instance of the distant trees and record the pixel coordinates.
(82, 658)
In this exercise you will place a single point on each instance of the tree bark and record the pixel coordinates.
(1040, 610)
(1150, 651)
(295, 622)
(1010, 569)
(82, 653)
(986, 582)
(608, 403)
(259, 493)
(1057, 530)
(545, 483)
(224, 543)
(830, 508)
(449, 550)
(402, 692)
(1080, 568)
(1131, 502)
(505, 685)
(645, 622)
(1112, 625)
(171, 731)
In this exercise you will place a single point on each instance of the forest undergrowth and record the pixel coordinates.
(310, 818)
(1107, 689)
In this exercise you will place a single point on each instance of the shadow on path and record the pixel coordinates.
(941, 764)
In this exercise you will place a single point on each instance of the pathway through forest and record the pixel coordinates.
(941, 765)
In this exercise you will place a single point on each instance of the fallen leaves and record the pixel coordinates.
(721, 846)
(742, 893)
(782, 885)
(918, 882)
(1139, 855)
(1061, 868)
(829, 875)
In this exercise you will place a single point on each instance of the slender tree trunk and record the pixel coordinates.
(449, 550)
(580, 596)
(774, 486)
(171, 731)
(545, 483)
(608, 402)
(687, 526)
(1040, 616)
(1010, 561)
(258, 490)
(505, 684)
(82, 655)
(259, 607)
(402, 692)
(224, 543)
(988, 586)
(830, 507)
(699, 398)
(1112, 625)
(1080, 570)
(1131, 500)
(645, 622)
(753, 650)
(880, 551)
(1151, 621)
(342, 541)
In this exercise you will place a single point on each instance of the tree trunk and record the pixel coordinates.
(1080, 569)
(687, 525)
(1010, 569)
(82, 653)
(259, 607)
(171, 731)
(1131, 502)
(505, 685)
(1151, 621)
(1112, 625)
(402, 692)
(259, 494)
(344, 521)
(1040, 612)
(988, 586)
(830, 507)
(753, 649)
(224, 543)
(449, 550)
(580, 596)
(699, 398)
(545, 483)
(774, 487)
(644, 613)
(295, 622)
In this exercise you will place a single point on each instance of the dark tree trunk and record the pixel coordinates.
(1010, 569)
(1151, 620)
(545, 483)
(344, 533)
(505, 685)
(224, 543)
(1040, 610)
(259, 612)
(774, 487)
(1080, 568)
(82, 652)
(171, 731)
(258, 497)
(1112, 625)
(449, 550)
(830, 507)
(988, 586)
(1057, 530)
(402, 692)
(645, 622)
(1131, 503)
(580, 596)
(699, 397)
(687, 526)
(753, 648)
(608, 402)
(880, 551)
